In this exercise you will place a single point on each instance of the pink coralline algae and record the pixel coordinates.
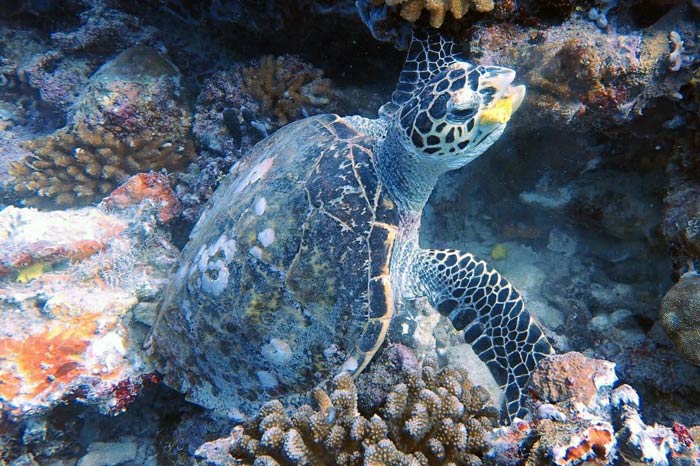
(154, 187)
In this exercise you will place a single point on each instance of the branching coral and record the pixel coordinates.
(284, 85)
(131, 118)
(431, 418)
(80, 166)
(411, 10)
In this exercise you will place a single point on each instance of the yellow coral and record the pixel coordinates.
(424, 421)
(283, 85)
(411, 10)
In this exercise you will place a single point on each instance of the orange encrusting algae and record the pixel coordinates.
(55, 356)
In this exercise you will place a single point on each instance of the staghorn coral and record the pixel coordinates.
(433, 417)
(130, 118)
(284, 85)
(411, 10)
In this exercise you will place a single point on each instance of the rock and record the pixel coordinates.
(574, 379)
(640, 444)
(68, 281)
(109, 454)
(680, 316)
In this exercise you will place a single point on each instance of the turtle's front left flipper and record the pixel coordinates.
(490, 311)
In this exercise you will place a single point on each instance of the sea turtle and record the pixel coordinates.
(310, 246)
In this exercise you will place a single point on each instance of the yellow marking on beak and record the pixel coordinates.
(502, 110)
(500, 113)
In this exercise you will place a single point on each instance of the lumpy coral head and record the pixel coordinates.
(680, 316)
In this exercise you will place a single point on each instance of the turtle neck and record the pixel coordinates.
(408, 176)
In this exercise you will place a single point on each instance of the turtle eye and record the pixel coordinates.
(462, 114)
(463, 106)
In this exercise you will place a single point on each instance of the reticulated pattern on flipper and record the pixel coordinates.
(492, 315)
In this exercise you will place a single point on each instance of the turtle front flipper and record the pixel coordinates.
(492, 315)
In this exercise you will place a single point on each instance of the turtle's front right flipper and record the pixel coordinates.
(491, 312)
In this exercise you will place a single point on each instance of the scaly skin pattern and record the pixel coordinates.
(491, 312)
(446, 113)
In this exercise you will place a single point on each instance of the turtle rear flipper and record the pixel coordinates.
(491, 314)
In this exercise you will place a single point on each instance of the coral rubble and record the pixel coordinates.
(432, 417)
(130, 118)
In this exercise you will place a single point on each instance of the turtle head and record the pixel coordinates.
(459, 112)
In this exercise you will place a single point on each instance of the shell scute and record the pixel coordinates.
(281, 255)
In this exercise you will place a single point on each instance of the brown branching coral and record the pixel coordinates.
(411, 10)
(80, 166)
(284, 85)
(434, 417)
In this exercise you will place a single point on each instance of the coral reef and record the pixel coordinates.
(433, 417)
(43, 72)
(580, 419)
(238, 107)
(130, 118)
(581, 76)
(680, 315)
(76, 277)
(681, 229)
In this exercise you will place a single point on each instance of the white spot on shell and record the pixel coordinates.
(256, 252)
(277, 352)
(267, 380)
(266, 237)
(350, 365)
(212, 268)
(256, 173)
(260, 206)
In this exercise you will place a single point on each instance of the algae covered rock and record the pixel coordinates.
(132, 117)
(76, 287)
(680, 316)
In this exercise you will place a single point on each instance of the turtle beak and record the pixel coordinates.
(502, 80)
(507, 98)
(517, 94)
